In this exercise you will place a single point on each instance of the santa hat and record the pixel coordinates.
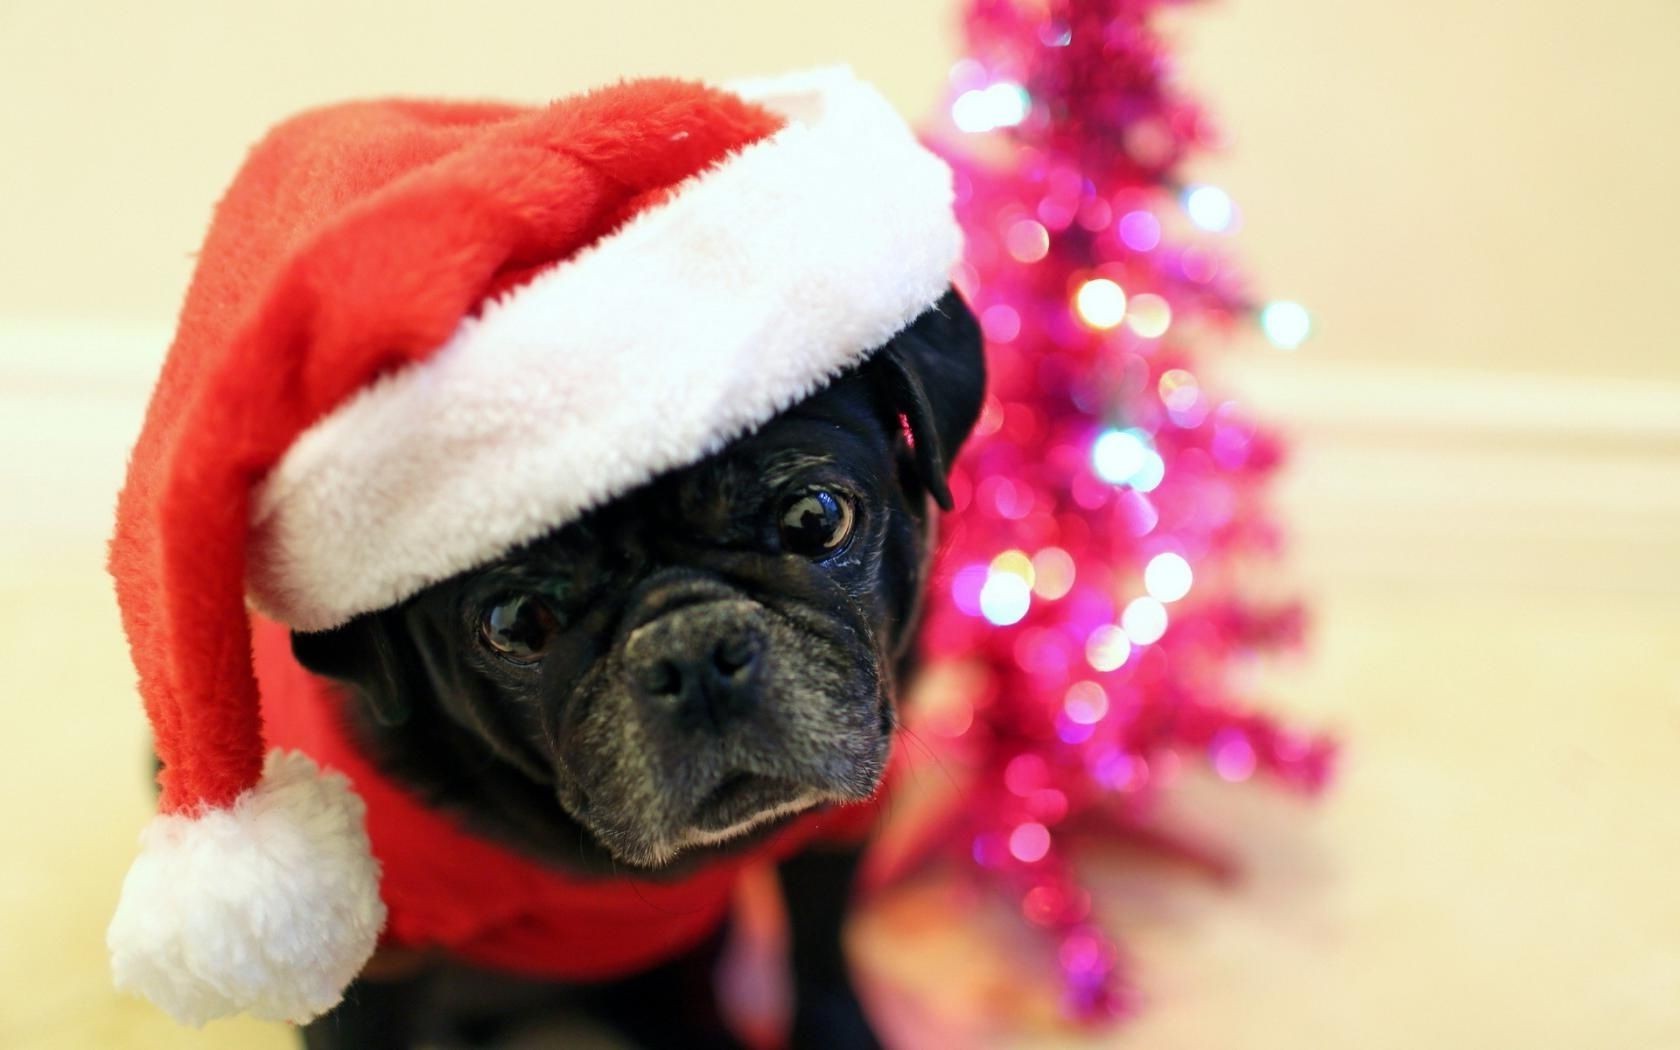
(419, 335)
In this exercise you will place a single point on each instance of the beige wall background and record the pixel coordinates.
(1454, 183)
(1459, 183)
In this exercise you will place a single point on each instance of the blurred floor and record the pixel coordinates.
(1496, 867)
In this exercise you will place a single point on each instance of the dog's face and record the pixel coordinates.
(701, 657)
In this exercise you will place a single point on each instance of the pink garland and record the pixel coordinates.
(1087, 575)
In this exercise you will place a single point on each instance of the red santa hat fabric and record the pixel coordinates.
(420, 334)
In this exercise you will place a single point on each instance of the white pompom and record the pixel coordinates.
(270, 907)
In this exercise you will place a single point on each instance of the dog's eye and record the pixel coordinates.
(816, 522)
(518, 627)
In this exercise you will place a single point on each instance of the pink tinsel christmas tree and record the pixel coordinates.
(1085, 585)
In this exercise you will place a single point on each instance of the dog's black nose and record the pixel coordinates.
(704, 671)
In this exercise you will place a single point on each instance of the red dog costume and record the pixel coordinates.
(408, 309)
(446, 888)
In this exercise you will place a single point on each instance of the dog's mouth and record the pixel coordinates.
(743, 809)
(746, 801)
(740, 796)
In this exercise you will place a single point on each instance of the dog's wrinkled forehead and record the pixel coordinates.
(717, 499)
(840, 432)
(844, 435)
(786, 466)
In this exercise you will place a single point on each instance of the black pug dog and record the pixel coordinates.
(674, 676)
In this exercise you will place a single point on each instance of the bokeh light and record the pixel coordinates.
(1167, 577)
(1100, 303)
(1002, 105)
(1179, 389)
(1149, 473)
(1139, 230)
(1015, 563)
(1005, 598)
(1086, 703)
(1027, 241)
(1145, 620)
(1108, 648)
(1053, 573)
(1000, 322)
(1029, 842)
(1118, 455)
(1148, 315)
(1287, 324)
(1071, 732)
(1026, 773)
(966, 585)
(1120, 770)
(1209, 207)
(1232, 755)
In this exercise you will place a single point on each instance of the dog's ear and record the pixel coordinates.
(935, 374)
(372, 655)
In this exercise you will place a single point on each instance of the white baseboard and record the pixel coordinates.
(1395, 474)
(1466, 404)
(1517, 480)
